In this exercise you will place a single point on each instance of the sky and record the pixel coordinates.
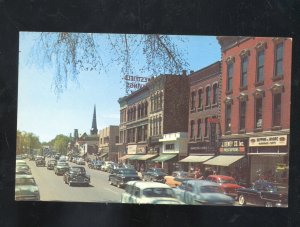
(43, 113)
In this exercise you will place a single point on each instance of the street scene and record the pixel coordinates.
(214, 134)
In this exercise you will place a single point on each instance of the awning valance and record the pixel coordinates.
(224, 160)
(196, 158)
(145, 157)
(164, 157)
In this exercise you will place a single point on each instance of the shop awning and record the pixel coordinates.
(196, 158)
(164, 157)
(145, 157)
(224, 160)
(103, 155)
(134, 157)
(125, 157)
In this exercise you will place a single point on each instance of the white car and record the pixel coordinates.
(105, 165)
(80, 161)
(148, 192)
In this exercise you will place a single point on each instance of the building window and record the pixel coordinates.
(258, 113)
(159, 125)
(229, 77)
(170, 146)
(146, 109)
(279, 60)
(277, 109)
(117, 139)
(244, 67)
(260, 66)
(207, 102)
(199, 129)
(206, 127)
(215, 93)
(242, 115)
(192, 129)
(200, 94)
(228, 117)
(193, 96)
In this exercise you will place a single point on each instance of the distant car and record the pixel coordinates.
(31, 157)
(76, 175)
(202, 192)
(21, 162)
(80, 161)
(40, 161)
(177, 178)
(26, 188)
(149, 193)
(113, 166)
(61, 167)
(63, 158)
(228, 184)
(127, 166)
(262, 193)
(154, 174)
(96, 164)
(51, 163)
(105, 165)
(56, 156)
(23, 169)
(121, 176)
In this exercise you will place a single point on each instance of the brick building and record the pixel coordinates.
(255, 107)
(108, 140)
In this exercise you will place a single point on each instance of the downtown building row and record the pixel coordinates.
(232, 116)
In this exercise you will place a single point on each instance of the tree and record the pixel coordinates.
(27, 141)
(71, 53)
(61, 143)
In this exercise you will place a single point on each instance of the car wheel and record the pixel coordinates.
(268, 204)
(242, 200)
(118, 185)
(110, 182)
(70, 184)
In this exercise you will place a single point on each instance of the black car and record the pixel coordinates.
(262, 193)
(51, 163)
(154, 174)
(61, 167)
(76, 175)
(121, 176)
(40, 161)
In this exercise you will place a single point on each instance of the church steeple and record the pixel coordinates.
(94, 129)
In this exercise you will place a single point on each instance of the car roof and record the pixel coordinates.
(221, 176)
(201, 182)
(24, 176)
(143, 184)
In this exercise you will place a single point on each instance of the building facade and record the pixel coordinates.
(108, 140)
(255, 107)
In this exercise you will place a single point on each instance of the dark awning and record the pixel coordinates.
(164, 157)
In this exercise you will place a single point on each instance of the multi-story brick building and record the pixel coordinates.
(204, 108)
(108, 138)
(255, 106)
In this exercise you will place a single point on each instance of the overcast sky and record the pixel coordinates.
(41, 112)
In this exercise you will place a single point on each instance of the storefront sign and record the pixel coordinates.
(268, 141)
(232, 146)
(141, 149)
(200, 148)
(131, 149)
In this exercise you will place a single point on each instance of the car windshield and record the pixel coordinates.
(25, 181)
(227, 181)
(158, 192)
(211, 189)
(127, 171)
(78, 170)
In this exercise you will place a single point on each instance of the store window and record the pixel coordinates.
(279, 60)
(244, 71)
(207, 103)
(277, 109)
(242, 115)
(229, 77)
(258, 113)
(192, 129)
(260, 66)
(228, 117)
(215, 93)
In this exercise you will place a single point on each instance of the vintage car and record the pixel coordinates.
(31, 157)
(76, 175)
(121, 176)
(23, 169)
(61, 167)
(148, 192)
(202, 192)
(51, 163)
(154, 174)
(26, 188)
(104, 167)
(40, 161)
(262, 193)
(21, 163)
(112, 167)
(80, 161)
(227, 183)
(177, 178)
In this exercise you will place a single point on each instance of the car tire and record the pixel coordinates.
(268, 204)
(241, 200)
(110, 182)
(118, 185)
(70, 184)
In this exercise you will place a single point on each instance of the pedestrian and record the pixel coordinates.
(197, 173)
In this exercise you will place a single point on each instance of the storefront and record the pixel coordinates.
(232, 159)
(269, 159)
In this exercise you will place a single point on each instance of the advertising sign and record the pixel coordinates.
(135, 82)
(233, 146)
(141, 150)
(131, 149)
(268, 141)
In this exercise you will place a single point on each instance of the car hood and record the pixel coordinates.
(26, 189)
(229, 185)
(216, 197)
(161, 199)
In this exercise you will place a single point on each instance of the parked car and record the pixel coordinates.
(63, 158)
(26, 188)
(31, 157)
(177, 178)
(154, 174)
(227, 183)
(148, 192)
(76, 175)
(61, 167)
(23, 169)
(40, 161)
(51, 163)
(21, 163)
(96, 164)
(202, 192)
(127, 166)
(112, 167)
(121, 176)
(105, 165)
(80, 161)
(262, 193)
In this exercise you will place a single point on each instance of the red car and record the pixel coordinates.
(228, 184)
